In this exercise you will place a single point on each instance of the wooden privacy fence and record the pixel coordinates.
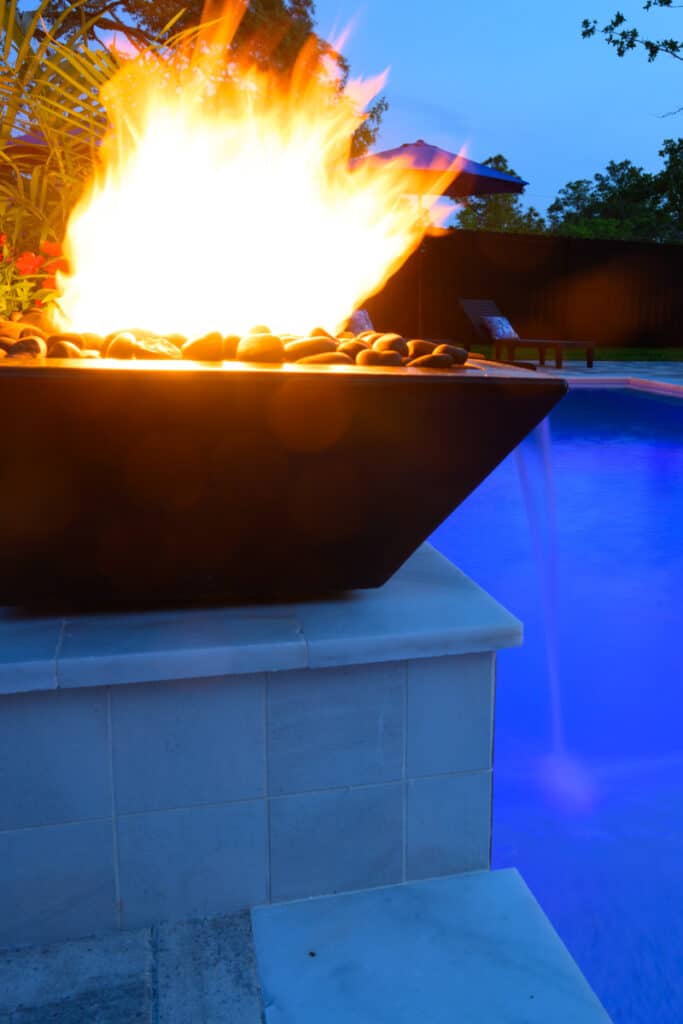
(612, 293)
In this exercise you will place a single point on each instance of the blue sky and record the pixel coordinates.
(512, 78)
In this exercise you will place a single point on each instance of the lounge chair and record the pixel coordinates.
(477, 309)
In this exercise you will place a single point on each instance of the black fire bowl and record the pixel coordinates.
(180, 484)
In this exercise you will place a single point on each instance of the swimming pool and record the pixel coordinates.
(580, 534)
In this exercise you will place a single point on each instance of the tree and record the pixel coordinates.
(502, 212)
(623, 38)
(272, 32)
(625, 202)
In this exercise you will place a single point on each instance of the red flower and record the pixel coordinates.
(3, 239)
(52, 266)
(29, 263)
(37, 304)
(51, 248)
(50, 282)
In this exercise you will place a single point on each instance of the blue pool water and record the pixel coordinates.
(580, 534)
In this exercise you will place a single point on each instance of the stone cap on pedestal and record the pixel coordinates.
(427, 609)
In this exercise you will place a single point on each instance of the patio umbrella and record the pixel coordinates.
(430, 164)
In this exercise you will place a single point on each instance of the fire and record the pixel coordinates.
(225, 198)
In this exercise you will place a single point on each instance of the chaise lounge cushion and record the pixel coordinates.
(499, 328)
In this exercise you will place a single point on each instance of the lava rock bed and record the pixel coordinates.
(32, 337)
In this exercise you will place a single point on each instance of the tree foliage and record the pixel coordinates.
(625, 202)
(503, 212)
(624, 37)
(272, 32)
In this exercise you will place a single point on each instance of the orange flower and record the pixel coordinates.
(51, 248)
(29, 263)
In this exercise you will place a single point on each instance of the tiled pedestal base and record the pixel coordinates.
(343, 746)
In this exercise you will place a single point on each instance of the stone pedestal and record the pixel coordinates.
(175, 765)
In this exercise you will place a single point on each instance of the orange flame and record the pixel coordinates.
(225, 197)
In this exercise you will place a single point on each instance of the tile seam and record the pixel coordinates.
(114, 820)
(58, 650)
(247, 800)
(404, 802)
(266, 788)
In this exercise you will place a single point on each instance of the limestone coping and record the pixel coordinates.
(429, 608)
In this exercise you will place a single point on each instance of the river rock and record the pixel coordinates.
(296, 350)
(93, 341)
(36, 318)
(432, 361)
(121, 346)
(90, 353)
(457, 354)
(391, 343)
(6, 343)
(261, 348)
(71, 337)
(419, 347)
(359, 321)
(157, 348)
(33, 332)
(259, 329)
(230, 343)
(31, 346)
(320, 332)
(328, 357)
(11, 329)
(208, 348)
(352, 348)
(373, 357)
(63, 350)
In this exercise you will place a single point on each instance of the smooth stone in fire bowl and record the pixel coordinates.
(457, 354)
(121, 346)
(296, 350)
(35, 319)
(352, 348)
(391, 343)
(33, 332)
(64, 350)
(320, 332)
(419, 347)
(230, 343)
(208, 348)
(31, 346)
(6, 343)
(11, 329)
(433, 361)
(93, 341)
(72, 338)
(328, 357)
(371, 357)
(157, 348)
(261, 348)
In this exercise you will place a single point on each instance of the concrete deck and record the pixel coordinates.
(663, 372)
(473, 947)
(197, 972)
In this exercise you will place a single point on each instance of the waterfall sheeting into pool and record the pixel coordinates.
(587, 549)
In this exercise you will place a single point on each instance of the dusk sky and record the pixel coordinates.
(518, 79)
